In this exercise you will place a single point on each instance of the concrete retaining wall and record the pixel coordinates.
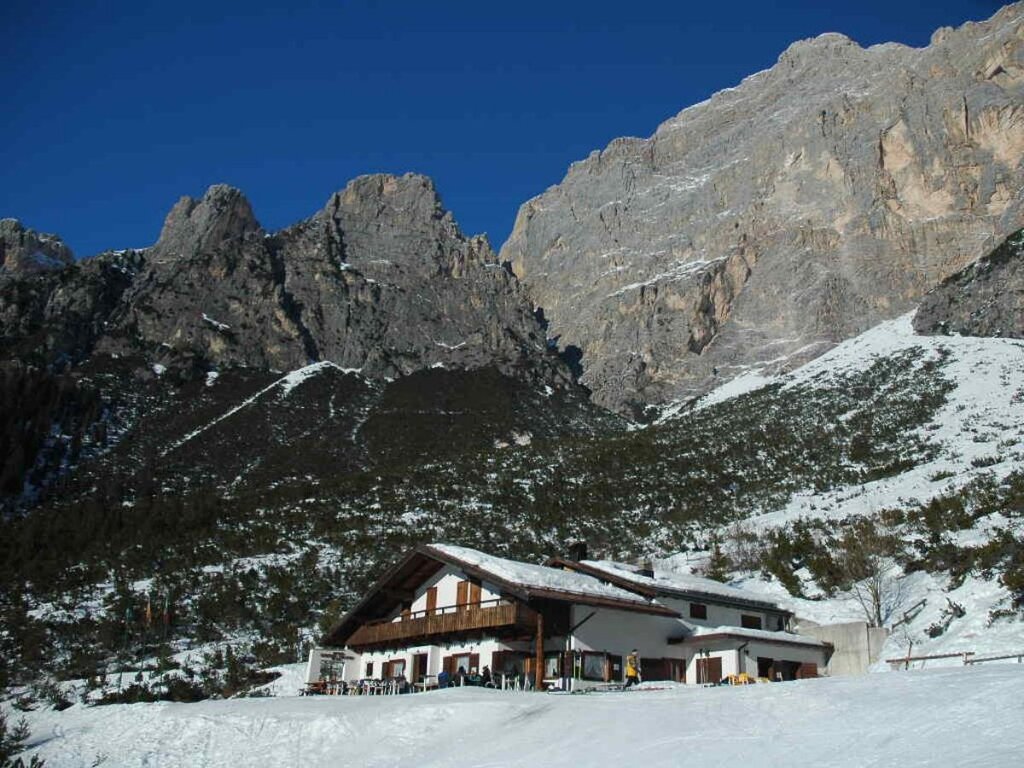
(857, 646)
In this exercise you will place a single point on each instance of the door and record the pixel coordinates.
(766, 668)
(419, 667)
(709, 669)
(616, 672)
(806, 670)
(654, 669)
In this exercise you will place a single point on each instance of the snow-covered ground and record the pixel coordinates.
(950, 717)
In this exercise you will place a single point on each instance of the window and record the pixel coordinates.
(593, 666)
(463, 661)
(750, 622)
(553, 666)
(698, 611)
(369, 669)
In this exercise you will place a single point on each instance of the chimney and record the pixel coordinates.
(647, 569)
(578, 551)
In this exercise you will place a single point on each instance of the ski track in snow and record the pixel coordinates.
(969, 716)
(287, 383)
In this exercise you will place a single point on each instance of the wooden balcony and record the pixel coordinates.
(450, 620)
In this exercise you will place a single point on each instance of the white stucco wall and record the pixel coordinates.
(729, 667)
(737, 657)
(783, 652)
(446, 580)
(721, 615)
(618, 632)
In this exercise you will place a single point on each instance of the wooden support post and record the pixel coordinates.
(538, 673)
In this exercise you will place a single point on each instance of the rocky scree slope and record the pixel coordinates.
(801, 207)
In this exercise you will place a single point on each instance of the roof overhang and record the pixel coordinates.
(696, 640)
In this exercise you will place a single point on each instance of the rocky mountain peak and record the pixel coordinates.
(380, 212)
(389, 201)
(24, 251)
(828, 44)
(223, 215)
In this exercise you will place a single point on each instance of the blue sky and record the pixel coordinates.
(113, 110)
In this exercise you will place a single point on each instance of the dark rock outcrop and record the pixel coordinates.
(54, 317)
(984, 299)
(23, 251)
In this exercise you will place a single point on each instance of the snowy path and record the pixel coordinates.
(949, 717)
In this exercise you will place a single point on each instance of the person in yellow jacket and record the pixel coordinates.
(632, 668)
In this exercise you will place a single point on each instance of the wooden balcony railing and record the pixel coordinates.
(452, 619)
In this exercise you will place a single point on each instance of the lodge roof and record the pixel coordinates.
(684, 585)
(697, 634)
(525, 581)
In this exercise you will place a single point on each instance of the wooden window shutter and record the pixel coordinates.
(462, 593)
(431, 600)
(447, 665)
(474, 662)
(474, 594)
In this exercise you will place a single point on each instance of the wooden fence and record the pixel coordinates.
(969, 657)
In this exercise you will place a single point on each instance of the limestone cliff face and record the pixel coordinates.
(801, 207)
(985, 298)
(380, 280)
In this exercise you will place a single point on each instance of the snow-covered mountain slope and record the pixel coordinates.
(978, 430)
(946, 717)
(919, 435)
(974, 439)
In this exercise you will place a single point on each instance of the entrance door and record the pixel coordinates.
(419, 667)
(766, 668)
(709, 669)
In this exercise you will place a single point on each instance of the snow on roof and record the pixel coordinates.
(532, 576)
(694, 630)
(678, 582)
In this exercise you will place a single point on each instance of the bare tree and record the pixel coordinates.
(867, 561)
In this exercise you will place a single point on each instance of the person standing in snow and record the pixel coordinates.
(632, 668)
